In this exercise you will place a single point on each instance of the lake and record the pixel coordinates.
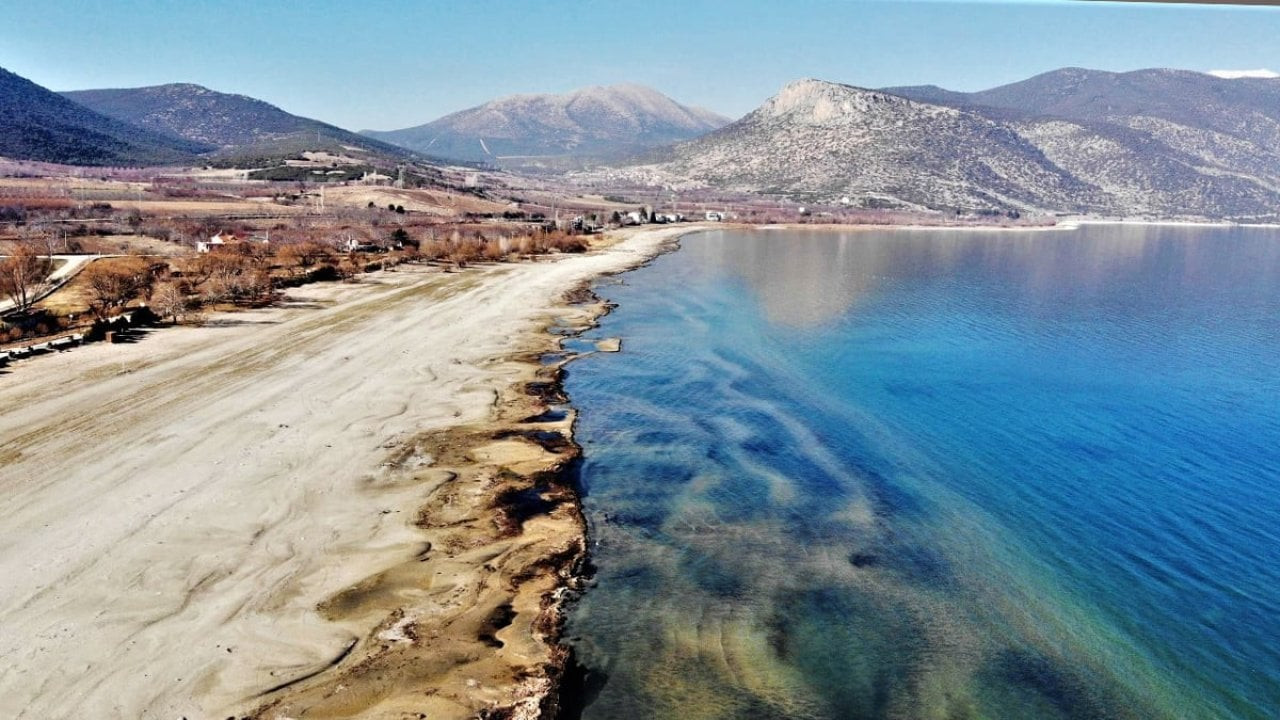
(936, 474)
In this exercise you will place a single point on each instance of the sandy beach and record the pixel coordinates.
(336, 506)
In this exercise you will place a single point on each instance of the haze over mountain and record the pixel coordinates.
(39, 124)
(234, 124)
(613, 121)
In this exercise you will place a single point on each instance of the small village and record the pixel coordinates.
(99, 259)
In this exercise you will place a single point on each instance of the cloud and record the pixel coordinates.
(1234, 74)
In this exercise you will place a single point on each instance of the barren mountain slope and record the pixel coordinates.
(829, 141)
(592, 121)
(1164, 141)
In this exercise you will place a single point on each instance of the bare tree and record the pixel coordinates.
(230, 276)
(168, 300)
(23, 275)
(45, 235)
(113, 284)
(304, 254)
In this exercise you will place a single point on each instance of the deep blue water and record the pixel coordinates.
(937, 474)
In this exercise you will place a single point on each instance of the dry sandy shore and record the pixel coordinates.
(305, 510)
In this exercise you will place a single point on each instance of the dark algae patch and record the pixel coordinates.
(520, 504)
(501, 618)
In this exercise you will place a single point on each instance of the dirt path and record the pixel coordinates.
(175, 510)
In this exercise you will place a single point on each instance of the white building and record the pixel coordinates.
(354, 244)
(225, 238)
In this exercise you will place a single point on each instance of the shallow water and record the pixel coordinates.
(937, 474)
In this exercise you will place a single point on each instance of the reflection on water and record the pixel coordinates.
(936, 475)
(807, 279)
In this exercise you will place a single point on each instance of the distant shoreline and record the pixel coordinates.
(1065, 224)
(1171, 223)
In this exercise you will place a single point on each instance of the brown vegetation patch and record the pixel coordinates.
(434, 202)
(581, 294)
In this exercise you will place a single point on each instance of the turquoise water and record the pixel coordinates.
(936, 474)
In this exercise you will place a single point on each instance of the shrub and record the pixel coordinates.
(493, 250)
(169, 300)
(434, 250)
(325, 272)
(568, 244)
(113, 283)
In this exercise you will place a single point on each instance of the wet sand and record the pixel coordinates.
(335, 507)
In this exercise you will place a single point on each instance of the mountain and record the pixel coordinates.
(1155, 141)
(39, 124)
(931, 94)
(1167, 143)
(236, 125)
(829, 141)
(1248, 108)
(1141, 175)
(611, 121)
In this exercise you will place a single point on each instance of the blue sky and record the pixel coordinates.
(387, 64)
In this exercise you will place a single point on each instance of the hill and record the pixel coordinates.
(1245, 107)
(238, 126)
(39, 124)
(828, 141)
(1156, 141)
(595, 121)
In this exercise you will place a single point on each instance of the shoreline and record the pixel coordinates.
(837, 227)
(345, 504)
(1065, 224)
(518, 458)
(421, 566)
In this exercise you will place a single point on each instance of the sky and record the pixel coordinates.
(388, 64)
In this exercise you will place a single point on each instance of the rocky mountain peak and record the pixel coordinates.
(820, 102)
